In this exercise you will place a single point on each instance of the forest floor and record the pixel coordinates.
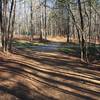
(40, 71)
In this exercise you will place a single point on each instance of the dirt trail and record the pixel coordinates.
(46, 74)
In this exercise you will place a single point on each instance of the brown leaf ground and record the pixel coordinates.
(47, 75)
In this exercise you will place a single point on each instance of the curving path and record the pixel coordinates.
(43, 73)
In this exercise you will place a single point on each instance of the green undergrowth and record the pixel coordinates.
(70, 49)
(74, 49)
(27, 44)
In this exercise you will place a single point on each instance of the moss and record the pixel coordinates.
(38, 44)
(26, 44)
(73, 50)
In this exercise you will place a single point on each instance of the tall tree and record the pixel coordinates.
(83, 48)
(45, 27)
(7, 23)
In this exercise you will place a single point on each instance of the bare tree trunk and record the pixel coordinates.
(4, 26)
(1, 29)
(83, 48)
(45, 20)
(31, 20)
(0, 13)
(89, 21)
(41, 15)
(68, 23)
(12, 25)
(74, 22)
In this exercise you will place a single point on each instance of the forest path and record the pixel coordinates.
(47, 74)
(48, 47)
(44, 47)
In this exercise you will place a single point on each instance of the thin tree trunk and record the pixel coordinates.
(89, 21)
(83, 49)
(68, 25)
(12, 27)
(31, 20)
(4, 26)
(45, 20)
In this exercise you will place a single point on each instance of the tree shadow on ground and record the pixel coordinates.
(19, 90)
(68, 60)
(71, 49)
(48, 78)
(22, 92)
(64, 73)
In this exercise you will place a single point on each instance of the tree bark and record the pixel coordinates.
(83, 48)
